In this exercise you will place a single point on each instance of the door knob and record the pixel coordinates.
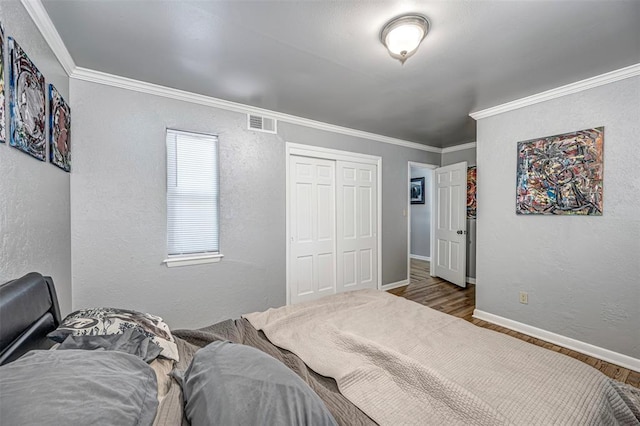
(460, 232)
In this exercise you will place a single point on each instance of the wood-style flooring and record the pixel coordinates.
(451, 299)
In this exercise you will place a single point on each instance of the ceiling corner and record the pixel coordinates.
(40, 17)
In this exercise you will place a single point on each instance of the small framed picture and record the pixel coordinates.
(417, 191)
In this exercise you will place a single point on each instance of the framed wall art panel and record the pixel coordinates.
(471, 192)
(561, 174)
(27, 104)
(3, 117)
(59, 130)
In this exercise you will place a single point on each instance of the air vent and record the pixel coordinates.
(262, 124)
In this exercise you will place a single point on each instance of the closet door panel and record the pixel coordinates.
(356, 226)
(312, 254)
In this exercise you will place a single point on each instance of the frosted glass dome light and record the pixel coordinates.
(402, 35)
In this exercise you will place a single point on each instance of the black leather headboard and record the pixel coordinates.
(28, 311)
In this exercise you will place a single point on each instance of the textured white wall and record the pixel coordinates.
(118, 207)
(582, 273)
(34, 195)
(421, 216)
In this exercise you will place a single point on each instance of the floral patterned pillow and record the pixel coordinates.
(108, 321)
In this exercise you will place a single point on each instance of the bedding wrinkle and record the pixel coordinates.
(162, 367)
(241, 331)
(427, 367)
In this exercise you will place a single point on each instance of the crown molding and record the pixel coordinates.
(568, 89)
(100, 77)
(40, 17)
(459, 147)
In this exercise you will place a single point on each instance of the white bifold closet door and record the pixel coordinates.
(356, 210)
(333, 225)
(313, 228)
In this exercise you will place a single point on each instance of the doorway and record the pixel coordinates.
(420, 230)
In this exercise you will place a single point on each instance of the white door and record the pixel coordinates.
(357, 226)
(451, 223)
(313, 231)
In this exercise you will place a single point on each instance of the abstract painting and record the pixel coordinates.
(27, 100)
(562, 174)
(417, 190)
(471, 192)
(59, 130)
(3, 130)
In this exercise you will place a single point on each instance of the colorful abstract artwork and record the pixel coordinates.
(471, 192)
(3, 121)
(59, 130)
(562, 174)
(27, 101)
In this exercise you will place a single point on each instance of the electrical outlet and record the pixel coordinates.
(524, 297)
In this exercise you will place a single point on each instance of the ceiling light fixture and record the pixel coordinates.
(402, 35)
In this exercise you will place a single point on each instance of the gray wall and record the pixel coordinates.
(581, 273)
(472, 256)
(468, 155)
(34, 207)
(118, 207)
(421, 216)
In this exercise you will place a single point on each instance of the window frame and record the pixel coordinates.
(173, 260)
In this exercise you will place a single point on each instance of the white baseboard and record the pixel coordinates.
(391, 286)
(471, 280)
(567, 342)
(415, 256)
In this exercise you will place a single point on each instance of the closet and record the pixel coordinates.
(332, 222)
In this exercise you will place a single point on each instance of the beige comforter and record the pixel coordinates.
(403, 364)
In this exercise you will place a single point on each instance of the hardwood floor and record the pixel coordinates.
(451, 299)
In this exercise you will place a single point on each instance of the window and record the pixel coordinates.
(192, 198)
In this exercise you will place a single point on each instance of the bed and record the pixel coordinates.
(339, 360)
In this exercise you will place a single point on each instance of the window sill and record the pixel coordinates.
(172, 262)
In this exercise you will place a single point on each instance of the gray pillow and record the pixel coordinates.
(77, 387)
(230, 384)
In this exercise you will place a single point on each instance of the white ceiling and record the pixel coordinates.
(323, 60)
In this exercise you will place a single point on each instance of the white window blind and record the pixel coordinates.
(192, 193)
